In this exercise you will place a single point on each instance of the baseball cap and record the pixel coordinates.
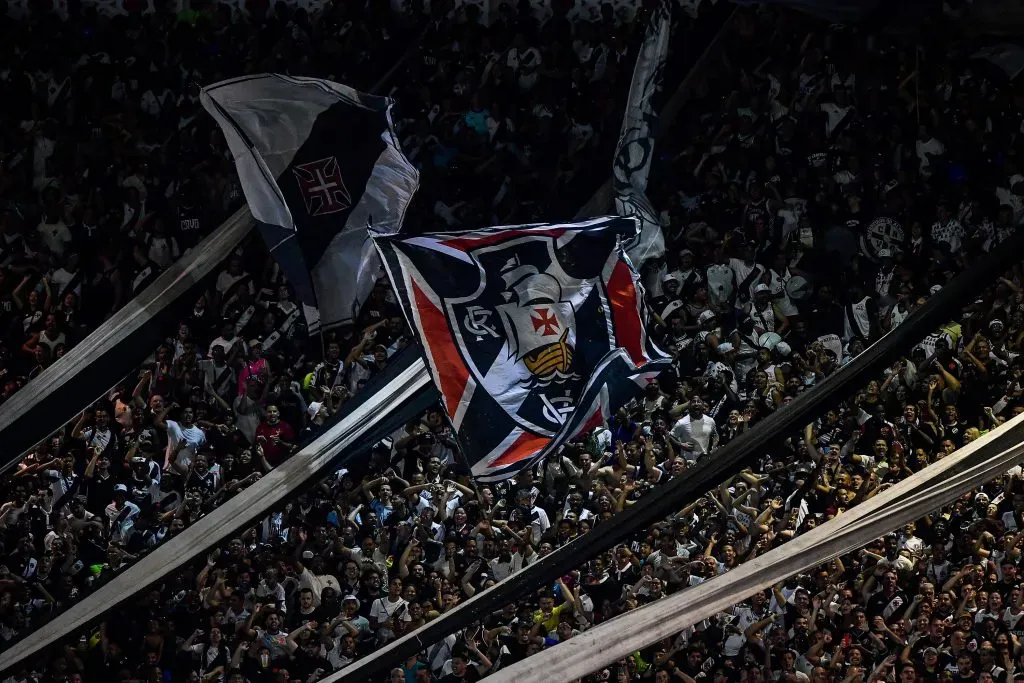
(120, 488)
(351, 598)
(762, 287)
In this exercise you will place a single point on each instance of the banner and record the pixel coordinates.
(635, 150)
(532, 333)
(320, 165)
(1007, 57)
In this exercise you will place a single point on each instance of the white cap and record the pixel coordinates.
(762, 288)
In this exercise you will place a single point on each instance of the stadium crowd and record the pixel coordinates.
(805, 144)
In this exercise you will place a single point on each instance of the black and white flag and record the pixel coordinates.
(534, 334)
(635, 150)
(319, 164)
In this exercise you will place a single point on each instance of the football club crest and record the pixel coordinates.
(322, 187)
(527, 356)
(519, 326)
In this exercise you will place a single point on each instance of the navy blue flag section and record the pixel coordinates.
(320, 165)
(534, 334)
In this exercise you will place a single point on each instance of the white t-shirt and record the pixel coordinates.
(121, 530)
(55, 236)
(194, 438)
(225, 344)
(383, 609)
(835, 115)
(720, 283)
(698, 431)
(59, 484)
(742, 272)
(97, 438)
(61, 278)
(226, 281)
(929, 146)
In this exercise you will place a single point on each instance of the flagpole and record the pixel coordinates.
(917, 83)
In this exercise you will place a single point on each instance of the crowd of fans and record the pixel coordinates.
(805, 145)
(517, 123)
(88, 224)
(110, 170)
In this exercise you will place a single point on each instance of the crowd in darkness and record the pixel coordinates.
(803, 145)
(110, 172)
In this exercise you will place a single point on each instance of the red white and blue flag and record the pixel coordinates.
(534, 334)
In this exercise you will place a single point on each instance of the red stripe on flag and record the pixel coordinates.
(594, 421)
(522, 448)
(625, 305)
(452, 373)
(467, 243)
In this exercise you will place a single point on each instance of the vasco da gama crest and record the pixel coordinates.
(532, 333)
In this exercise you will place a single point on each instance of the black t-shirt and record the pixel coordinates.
(190, 225)
(516, 651)
(142, 276)
(326, 374)
(756, 220)
(825, 318)
(99, 492)
(471, 676)
(304, 664)
(932, 676)
(888, 607)
(7, 309)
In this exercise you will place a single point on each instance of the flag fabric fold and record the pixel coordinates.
(534, 334)
(635, 150)
(319, 164)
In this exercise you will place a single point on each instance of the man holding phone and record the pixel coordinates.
(387, 611)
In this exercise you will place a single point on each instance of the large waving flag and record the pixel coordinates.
(533, 334)
(635, 151)
(319, 164)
